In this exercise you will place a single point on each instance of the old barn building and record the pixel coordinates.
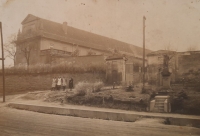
(47, 38)
(43, 41)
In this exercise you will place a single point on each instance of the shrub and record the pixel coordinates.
(98, 86)
(81, 93)
(152, 95)
(177, 105)
(152, 82)
(129, 88)
(56, 68)
(84, 88)
(182, 103)
(186, 106)
(191, 106)
(144, 91)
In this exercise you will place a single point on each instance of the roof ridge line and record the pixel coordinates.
(70, 38)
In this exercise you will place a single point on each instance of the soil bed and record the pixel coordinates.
(107, 98)
(120, 99)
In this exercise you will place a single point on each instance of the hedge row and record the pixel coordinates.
(56, 68)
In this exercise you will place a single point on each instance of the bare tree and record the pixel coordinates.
(10, 48)
(168, 55)
(26, 50)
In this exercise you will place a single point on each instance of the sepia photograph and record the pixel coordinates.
(99, 67)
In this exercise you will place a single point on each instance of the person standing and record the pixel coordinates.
(59, 82)
(64, 83)
(71, 84)
(53, 86)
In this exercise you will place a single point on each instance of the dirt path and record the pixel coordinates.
(25, 123)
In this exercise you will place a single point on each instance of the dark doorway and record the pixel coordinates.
(114, 76)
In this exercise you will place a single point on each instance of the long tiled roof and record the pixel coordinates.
(80, 37)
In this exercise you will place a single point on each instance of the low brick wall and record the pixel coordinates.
(32, 82)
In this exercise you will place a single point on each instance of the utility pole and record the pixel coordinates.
(144, 18)
(3, 73)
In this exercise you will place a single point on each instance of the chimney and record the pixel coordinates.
(64, 26)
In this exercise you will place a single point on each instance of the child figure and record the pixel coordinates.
(64, 83)
(53, 86)
(59, 82)
(71, 84)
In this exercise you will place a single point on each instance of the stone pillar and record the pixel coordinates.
(166, 82)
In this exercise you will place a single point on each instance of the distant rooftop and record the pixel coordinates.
(160, 52)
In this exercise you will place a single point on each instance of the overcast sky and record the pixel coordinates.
(174, 23)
